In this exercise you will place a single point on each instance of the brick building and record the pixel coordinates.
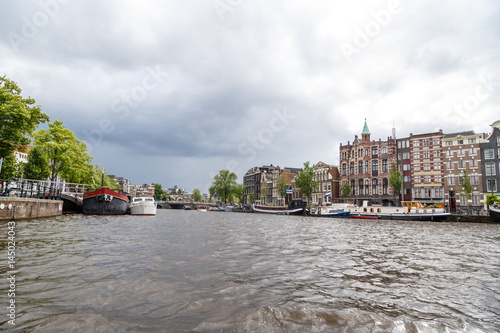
(366, 165)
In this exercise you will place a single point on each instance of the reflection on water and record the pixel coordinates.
(214, 271)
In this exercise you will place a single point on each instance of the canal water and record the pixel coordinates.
(190, 271)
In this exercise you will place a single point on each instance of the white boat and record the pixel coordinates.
(143, 206)
(410, 210)
(329, 211)
(294, 208)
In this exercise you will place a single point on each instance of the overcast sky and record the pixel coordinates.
(174, 91)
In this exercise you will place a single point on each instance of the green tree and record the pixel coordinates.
(306, 182)
(264, 191)
(99, 176)
(38, 164)
(466, 188)
(239, 192)
(68, 156)
(11, 168)
(223, 185)
(18, 117)
(159, 192)
(197, 197)
(396, 179)
(251, 196)
(282, 186)
(492, 199)
(345, 191)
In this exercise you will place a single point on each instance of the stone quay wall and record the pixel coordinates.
(12, 208)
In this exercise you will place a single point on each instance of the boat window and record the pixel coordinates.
(378, 210)
(149, 199)
(365, 210)
(371, 210)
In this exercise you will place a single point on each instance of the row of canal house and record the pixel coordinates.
(432, 165)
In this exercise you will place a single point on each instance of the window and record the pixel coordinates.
(427, 154)
(416, 155)
(498, 141)
(490, 169)
(385, 186)
(406, 156)
(437, 166)
(406, 179)
(374, 165)
(476, 198)
(383, 150)
(416, 143)
(344, 169)
(461, 164)
(406, 167)
(448, 143)
(360, 166)
(361, 186)
(474, 179)
(449, 153)
(374, 151)
(451, 180)
(374, 186)
(491, 185)
(417, 167)
(427, 179)
(473, 151)
(472, 140)
(437, 178)
(449, 165)
(461, 152)
(418, 179)
(367, 166)
(427, 166)
(473, 163)
(351, 168)
(425, 142)
(437, 154)
(384, 166)
(460, 142)
(436, 141)
(489, 154)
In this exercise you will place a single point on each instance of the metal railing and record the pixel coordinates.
(40, 189)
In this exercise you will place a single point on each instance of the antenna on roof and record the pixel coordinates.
(393, 129)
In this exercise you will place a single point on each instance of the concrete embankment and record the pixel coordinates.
(12, 208)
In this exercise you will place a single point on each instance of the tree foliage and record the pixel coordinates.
(99, 176)
(38, 164)
(492, 199)
(159, 192)
(239, 192)
(223, 185)
(466, 188)
(306, 182)
(11, 168)
(68, 156)
(197, 197)
(282, 185)
(19, 118)
(345, 191)
(396, 179)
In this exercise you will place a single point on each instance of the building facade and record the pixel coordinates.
(490, 155)
(427, 167)
(461, 153)
(328, 178)
(366, 166)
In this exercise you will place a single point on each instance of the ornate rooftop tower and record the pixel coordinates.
(365, 135)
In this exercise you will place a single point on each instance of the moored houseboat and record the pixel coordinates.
(295, 207)
(105, 201)
(409, 210)
(329, 211)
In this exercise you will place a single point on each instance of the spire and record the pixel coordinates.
(365, 129)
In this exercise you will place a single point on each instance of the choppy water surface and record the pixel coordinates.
(184, 271)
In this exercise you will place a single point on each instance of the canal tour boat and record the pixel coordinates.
(495, 213)
(105, 201)
(409, 210)
(329, 211)
(295, 207)
(142, 206)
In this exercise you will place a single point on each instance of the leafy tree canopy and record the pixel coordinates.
(19, 118)
(396, 179)
(305, 181)
(223, 185)
(345, 191)
(197, 197)
(38, 164)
